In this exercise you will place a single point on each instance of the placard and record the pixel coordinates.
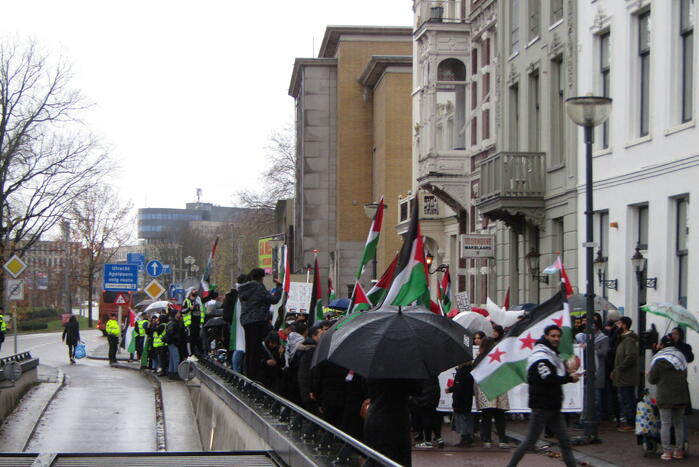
(463, 303)
(299, 300)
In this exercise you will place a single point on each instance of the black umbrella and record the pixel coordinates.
(216, 322)
(412, 343)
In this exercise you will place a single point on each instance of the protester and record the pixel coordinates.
(175, 336)
(601, 350)
(668, 370)
(498, 333)
(191, 316)
(141, 325)
(113, 333)
(272, 362)
(625, 373)
(255, 317)
(236, 333)
(677, 336)
(157, 347)
(492, 409)
(298, 333)
(329, 389)
(613, 333)
(462, 403)
(546, 375)
(71, 336)
(302, 360)
(3, 326)
(430, 423)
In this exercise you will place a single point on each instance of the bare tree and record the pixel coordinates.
(47, 159)
(102, 224)
(279, 178)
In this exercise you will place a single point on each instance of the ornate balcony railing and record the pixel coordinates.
(512, 175)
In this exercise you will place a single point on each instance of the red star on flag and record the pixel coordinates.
(528, 342)
(559, 321)
(496, 355)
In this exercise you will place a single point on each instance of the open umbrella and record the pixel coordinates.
(673, 312)
(142, 304)
(410, 343)
(474, 322)
(578, 304)
(340, 303)
(216, 322)
(157, 306)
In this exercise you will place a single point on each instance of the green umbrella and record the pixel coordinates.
(676, 313)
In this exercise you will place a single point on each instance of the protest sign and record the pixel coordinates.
(299, 300)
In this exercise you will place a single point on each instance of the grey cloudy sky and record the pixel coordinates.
(187, 92)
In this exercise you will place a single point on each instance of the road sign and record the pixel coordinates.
(120, 277)
(15, 289)
(121, 299)
(15, 266)
(179, 295)
(167, 269)
(154, 289)
(171, 290)
(135, 258)
(154, 268)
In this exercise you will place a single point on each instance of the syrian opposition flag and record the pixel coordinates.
(360, 302)
(316, 313)
(205, 278)
(378, 292)
(556, 267)
(372, 240)
(444, 292)
(505, 366)
(410, 283)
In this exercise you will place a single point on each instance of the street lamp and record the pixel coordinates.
(588, 112)
(600, 266)
(646, 339)
(533, 259)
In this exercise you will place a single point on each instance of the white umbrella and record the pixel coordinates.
(474, 322)
(156, 306)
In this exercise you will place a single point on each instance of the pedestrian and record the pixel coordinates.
(175, 336)
(71, 336)
(158, 349)
(668, 370)
(191, 316)
(462, 403)
(430, 422)
(625, 373)
(546, 375)
(3, 326)
(492, 409)
(677, 336)
(141, 325)
(113, 332)
(272, 362)
(255, 317)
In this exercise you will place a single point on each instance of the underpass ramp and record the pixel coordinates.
(167, 459)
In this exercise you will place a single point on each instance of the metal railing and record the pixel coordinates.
(438, 11)
(512, 175)
(328, 445)
(25, 360)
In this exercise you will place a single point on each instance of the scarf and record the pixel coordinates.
(544, 352)
(673, 356)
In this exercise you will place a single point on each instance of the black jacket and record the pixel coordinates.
(255, 301)
(545, 385)
(175, 333)
(307, 380)
(329, 384)
(428, 397)
(229, 305)
(462, 389)
(71, 333)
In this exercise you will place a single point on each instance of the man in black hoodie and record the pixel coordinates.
(546, 375)
(255, 318)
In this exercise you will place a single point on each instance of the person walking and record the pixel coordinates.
(625, 373)
(174, 336)
(546, 375)
(255, 317)
(492, 409)
(113, 333)
(71, 336)
(668, 370)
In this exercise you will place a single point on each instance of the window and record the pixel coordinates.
(514, 117)
(558, 115)
(534, 19)
(682, 231)
(687, 60)
(486, 124)
(485, 56)
(603, 238)
(642, 227)
(604, 69)
(474, 131)
(486, 87)
(451, 69)
(557, 242)
(514, 26)
(556, 11)
(474, 61)
(534, 112)
(644, 57)
(474, 95)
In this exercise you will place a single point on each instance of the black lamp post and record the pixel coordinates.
(638, 261)
(588, 112)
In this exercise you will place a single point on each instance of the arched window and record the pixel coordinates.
(451, 69)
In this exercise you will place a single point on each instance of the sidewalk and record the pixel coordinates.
(101, 352)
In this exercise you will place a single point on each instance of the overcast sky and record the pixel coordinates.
(187, 92)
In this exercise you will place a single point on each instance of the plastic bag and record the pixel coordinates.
(80, 351)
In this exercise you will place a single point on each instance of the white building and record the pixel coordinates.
(646, 158)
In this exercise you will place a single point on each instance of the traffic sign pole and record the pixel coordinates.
(14, 323)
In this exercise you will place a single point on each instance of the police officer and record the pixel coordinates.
(3, 326)
(191, 316)
(159, 356)
(141, 325)
(113, 333)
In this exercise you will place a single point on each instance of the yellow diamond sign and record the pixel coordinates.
(154, 289)
(15, 266)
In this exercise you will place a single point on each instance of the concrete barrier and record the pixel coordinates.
(11, 393)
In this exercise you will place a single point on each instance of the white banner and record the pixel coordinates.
(518, 396)
(299, 300)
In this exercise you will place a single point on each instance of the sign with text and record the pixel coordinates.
(120, 277)
(299, 300)
(264, 254)
(477, 246)
(463, 303)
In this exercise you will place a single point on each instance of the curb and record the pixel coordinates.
(542, 447)
(60, 380)
(160, 434)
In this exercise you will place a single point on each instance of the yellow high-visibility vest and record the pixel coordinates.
(3, 324)
(158, 339)
(112, 328)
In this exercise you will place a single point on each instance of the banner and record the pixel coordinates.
(299, 300)
(519, 395)
(264, 254)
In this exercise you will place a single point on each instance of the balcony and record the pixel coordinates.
(512, 186)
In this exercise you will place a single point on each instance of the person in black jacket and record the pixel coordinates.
(71, 336)
(329, 388)
(430, 421)
(306, 377)
(462, 403)
(546, 375)
(272, 362)
(677, 336)
(175, 337)
(255, 318)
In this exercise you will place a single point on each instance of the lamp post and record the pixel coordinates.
(588, 112)
(638, 261)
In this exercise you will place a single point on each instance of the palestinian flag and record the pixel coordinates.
(360, 302)
(557, 266)
(372, 240)
(505, 366)
(378, 292)
(444, 292)
(331, 290)
(280, 320)
(316, 313)
(410, 284)
(205, 278)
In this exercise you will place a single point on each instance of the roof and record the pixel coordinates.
(378, 64)
(328, 48)
(299, 63)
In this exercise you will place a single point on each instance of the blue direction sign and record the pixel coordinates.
(179, 295)
(167, 269)
(154, 268)
(136, 258)
(120, 277)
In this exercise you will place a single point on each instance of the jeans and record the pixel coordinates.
(174, 359)
(487, 415)
(237, 360)
(670, 418)
(463, 423)
(539, 419)
(155, 358)
(627, 401)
